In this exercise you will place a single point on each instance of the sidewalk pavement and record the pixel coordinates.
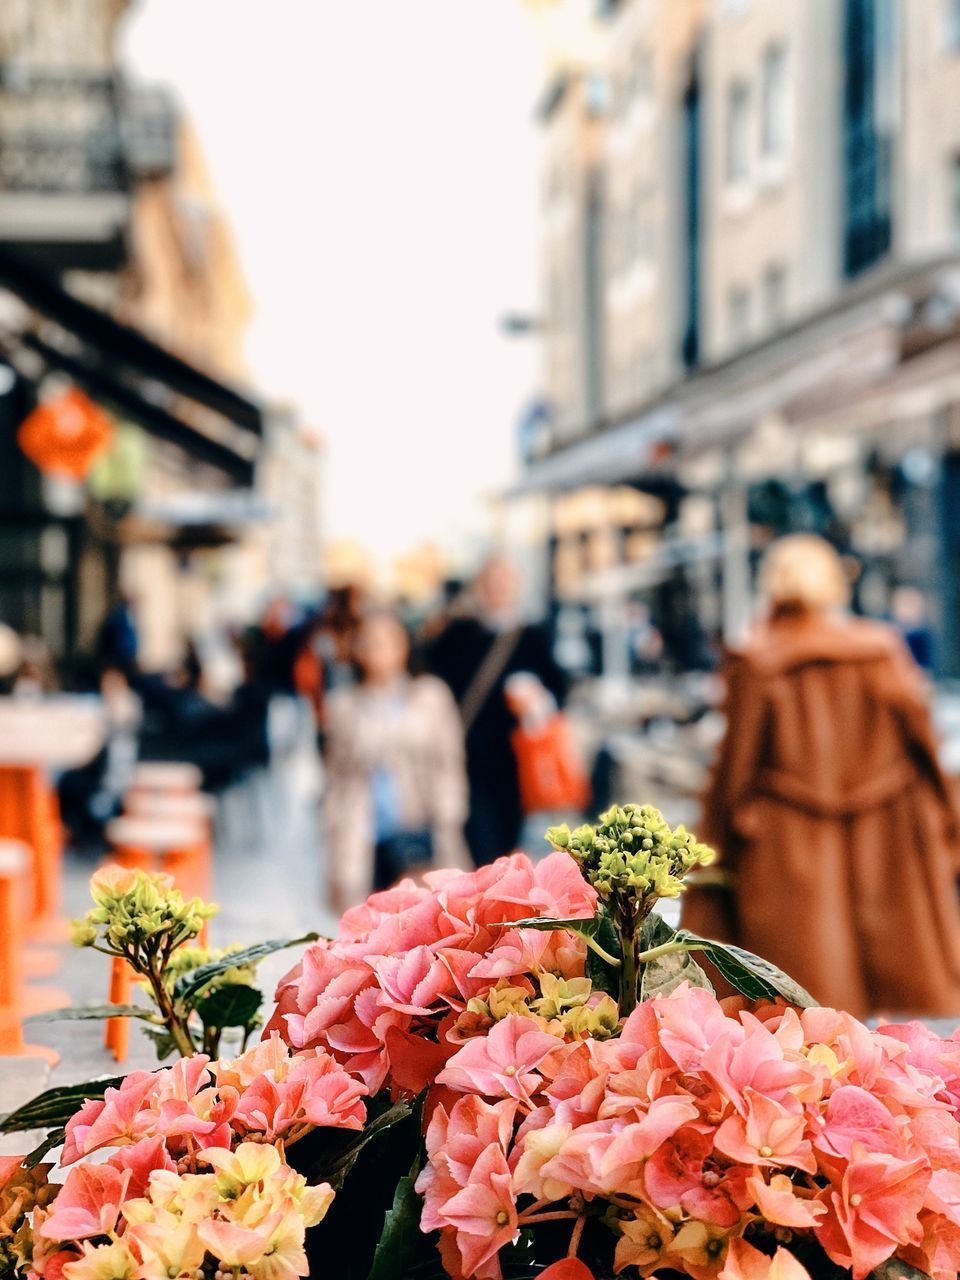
(268, 877)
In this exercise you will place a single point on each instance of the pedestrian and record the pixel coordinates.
(339, 624)
(476, 654)
(828, 806)
(118, 642)
(396, 796)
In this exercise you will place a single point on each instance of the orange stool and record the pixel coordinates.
(191, 806)
(17, 1000)
(179, 847)
(29, 811)
(166, 777)
(116, 1035)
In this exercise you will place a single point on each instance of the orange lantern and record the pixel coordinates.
(65, 434)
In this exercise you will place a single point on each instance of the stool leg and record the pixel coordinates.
(131, 857)
(189, 868)
(117, 1032)
(11, 986)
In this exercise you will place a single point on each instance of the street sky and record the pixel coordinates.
(377, 161)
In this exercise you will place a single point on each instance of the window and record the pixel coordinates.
(773, 119)
(738, 132)
(641, 223)
(739, 316)
(641, 74)
(557, 299)
(774, 294)
(951, 19)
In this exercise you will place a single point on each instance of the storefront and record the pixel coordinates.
(64, 542)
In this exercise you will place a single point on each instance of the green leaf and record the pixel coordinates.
(235, 1005)
(94, 1012)
(751, 975)
(400, 1237)
(666, 973)
(191, 984)
(655, 931)
(603, 976)
(163, 1041)
(587, 926)
(55, 1107)
(328, 1155)
(894, 1269)
(53, 1139)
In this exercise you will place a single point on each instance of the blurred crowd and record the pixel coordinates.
(441, 733)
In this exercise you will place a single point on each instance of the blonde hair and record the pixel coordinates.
(803, 571)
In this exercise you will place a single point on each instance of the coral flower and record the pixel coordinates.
(88, 1204)
(568, 1269)
(875, 1209)
(780, 1205)
(503, 1063)
(682, 1173)
(772, 1134)
(484, 1212)
(746, 1263)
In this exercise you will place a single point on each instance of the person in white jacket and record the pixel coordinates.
(396, 798)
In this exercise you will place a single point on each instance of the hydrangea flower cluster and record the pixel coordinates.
(197, 1179)
(684, 1135)
(419, 968)
(704, 1139)
(138, 1218)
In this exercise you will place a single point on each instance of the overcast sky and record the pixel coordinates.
(377, 161)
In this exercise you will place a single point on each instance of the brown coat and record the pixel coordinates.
(829, 806)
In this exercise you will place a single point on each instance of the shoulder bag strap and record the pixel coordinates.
(486, 676)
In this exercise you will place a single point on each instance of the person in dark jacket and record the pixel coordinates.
(475, 654)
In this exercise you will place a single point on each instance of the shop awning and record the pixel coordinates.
(128, 372)
(628, 452)
(127, 402)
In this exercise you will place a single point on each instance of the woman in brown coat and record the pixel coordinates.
(828, 805)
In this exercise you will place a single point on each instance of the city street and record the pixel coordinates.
(268, 878)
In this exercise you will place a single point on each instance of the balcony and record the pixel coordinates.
(72, 144)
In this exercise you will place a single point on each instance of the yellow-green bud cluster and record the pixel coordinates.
(566, 1008)
(633, 852)
(133, 908)
(185, 959)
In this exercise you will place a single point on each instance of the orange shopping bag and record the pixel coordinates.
(549, 766)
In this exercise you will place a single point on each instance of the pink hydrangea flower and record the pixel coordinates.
(503, 1063)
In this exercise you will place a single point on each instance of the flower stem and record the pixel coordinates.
(604, 955)
(182, 1040)
(668, 949)
(578, 1226)
(629, 975)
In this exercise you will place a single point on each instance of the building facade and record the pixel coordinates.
(780, 315)
(118, 275)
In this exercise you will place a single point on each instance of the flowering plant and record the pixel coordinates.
(515, 1072)
(197, 1183)
(196, 993)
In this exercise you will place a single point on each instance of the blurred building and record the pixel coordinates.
(751, 301)
(118, 276)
